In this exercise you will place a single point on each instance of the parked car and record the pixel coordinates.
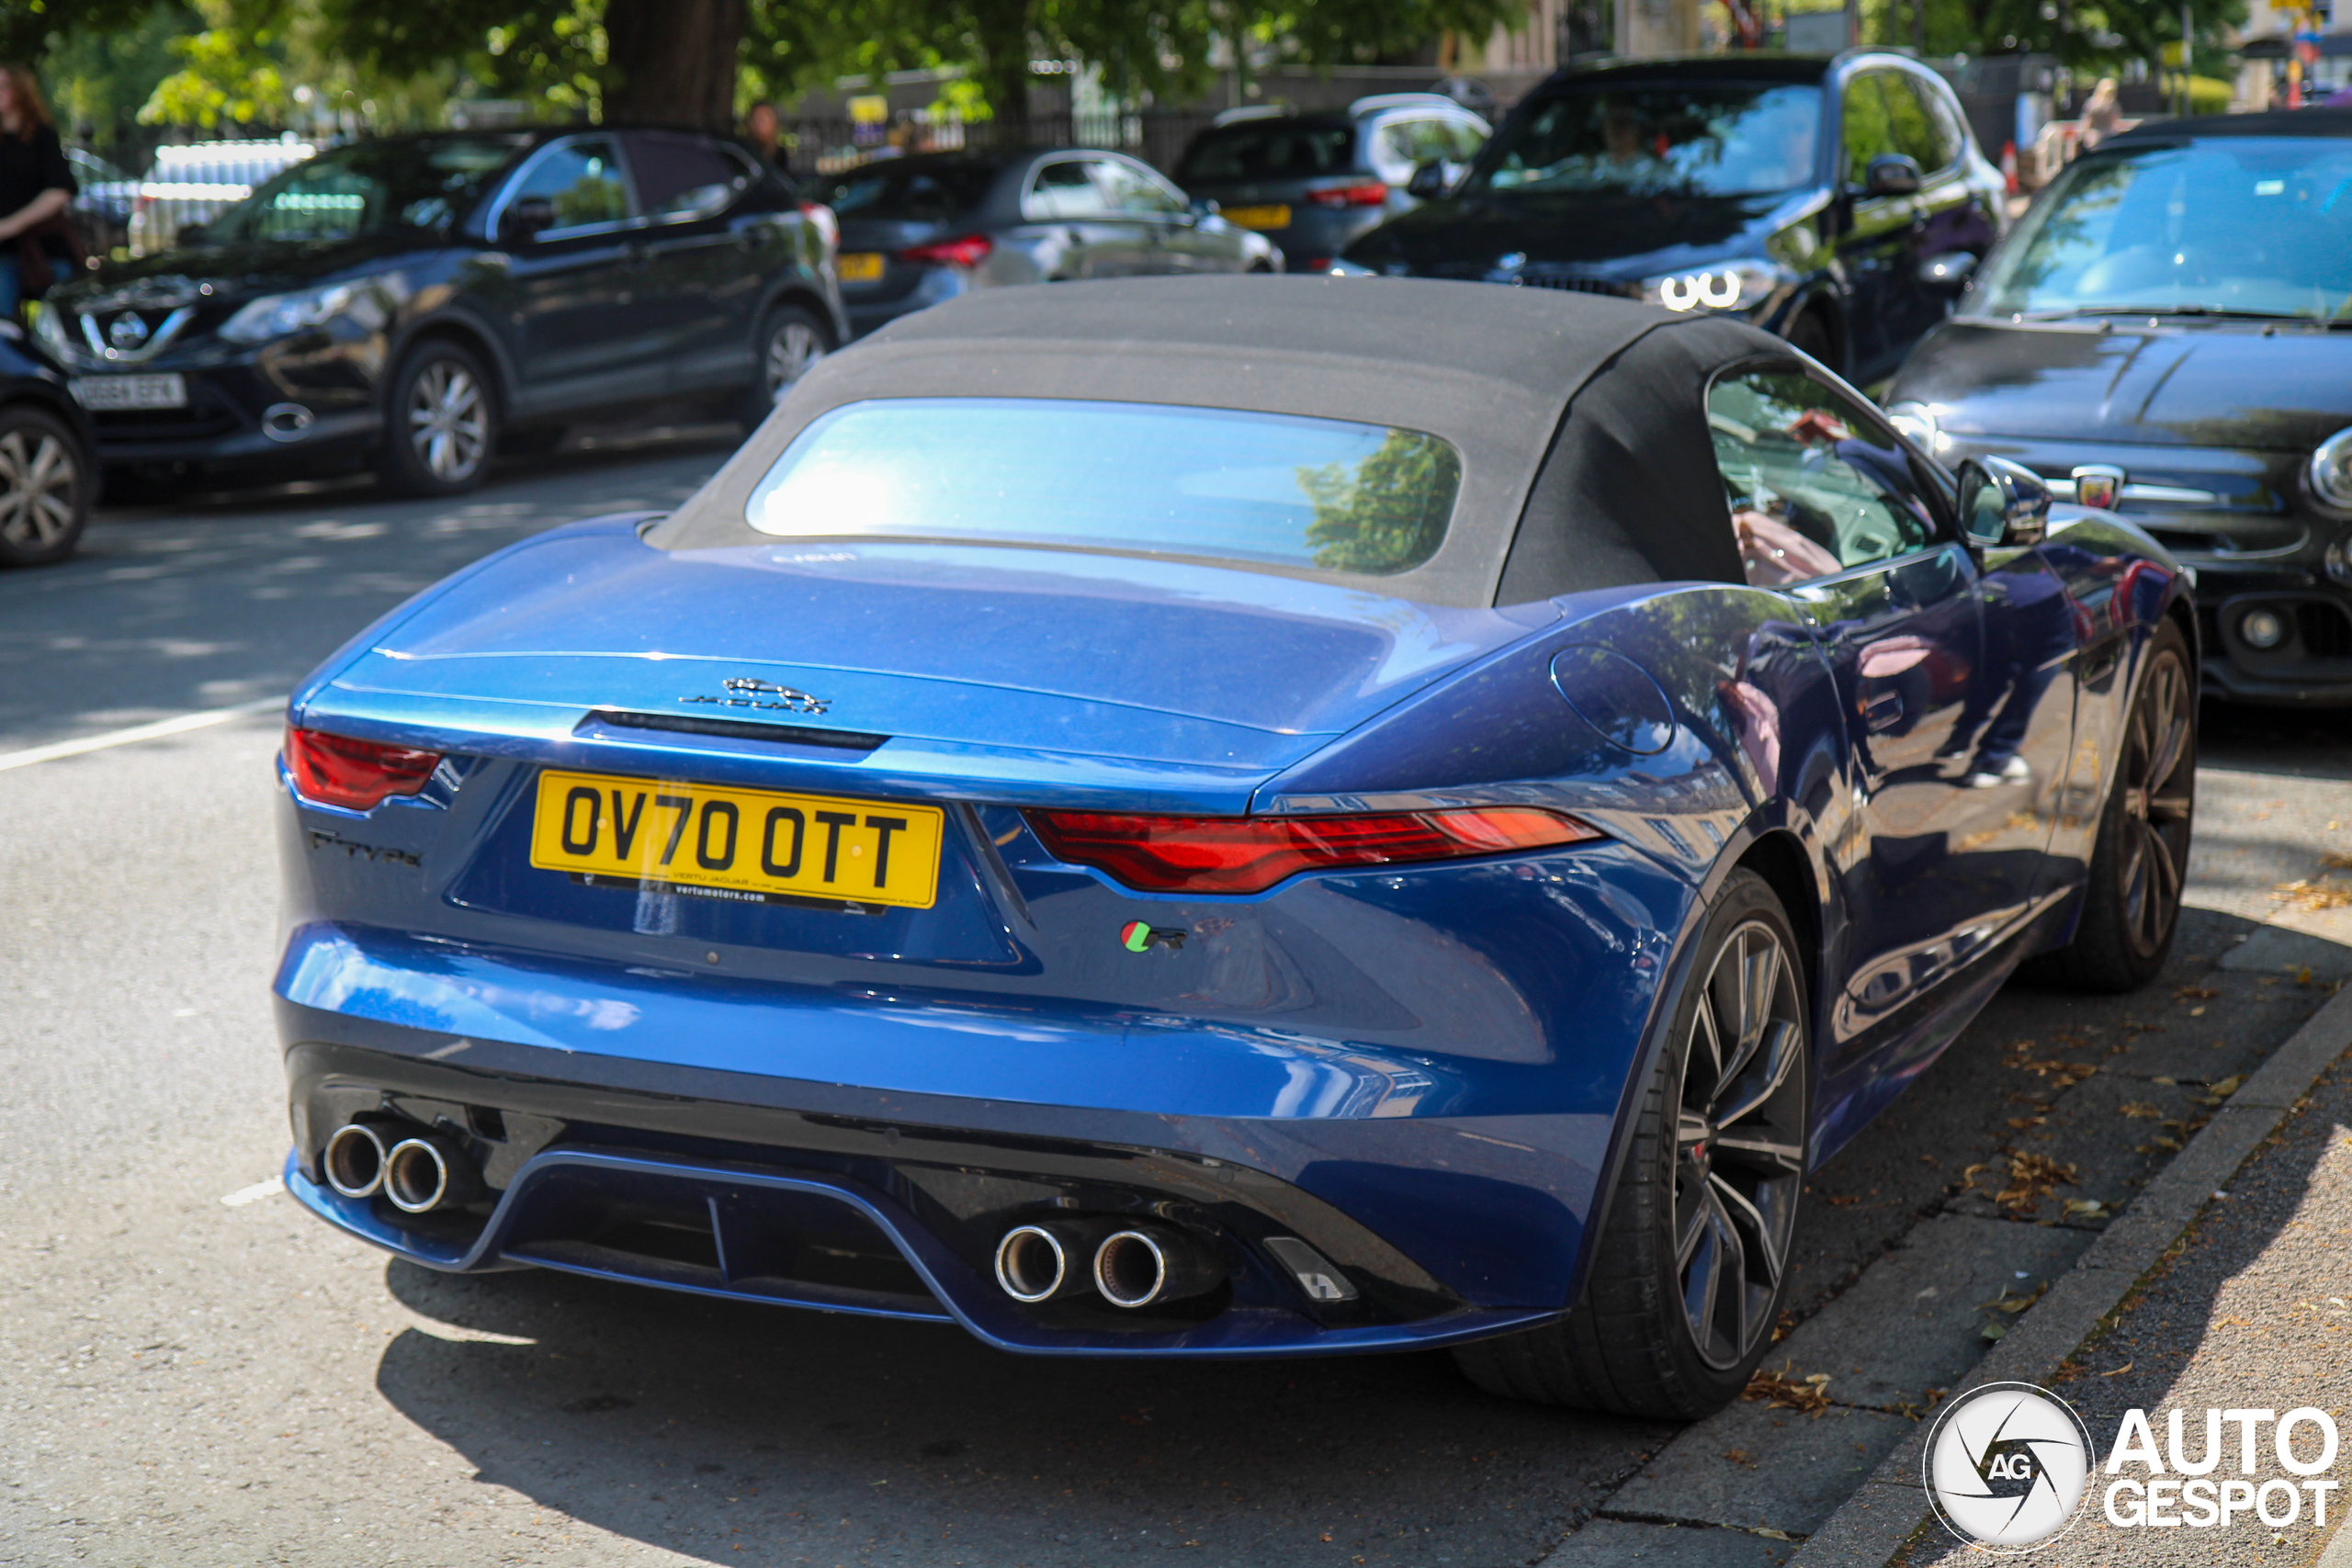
(413, 301)
(1275, 817)
(918, 230)
(103, 204)
(1830, 201)
(2166, 334)
(46, 477)
(1311, 182)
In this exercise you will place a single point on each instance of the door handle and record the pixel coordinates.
(1881, 712)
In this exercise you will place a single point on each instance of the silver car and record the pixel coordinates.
(916, 231)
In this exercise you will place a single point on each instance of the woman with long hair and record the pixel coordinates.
(35, 183)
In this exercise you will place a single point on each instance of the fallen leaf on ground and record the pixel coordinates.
(1740, 1456)
(2120, 1370)
(2139, 1111)
(1785, 1390)
(2308, 893)
(2085, 1206)
(2013, 1304)
(2031, 1178)
(2196, 993)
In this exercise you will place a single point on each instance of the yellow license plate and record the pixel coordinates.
(742, 840)
(1258, 217)
(859, 266)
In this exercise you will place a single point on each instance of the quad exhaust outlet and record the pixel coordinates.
(1137, 1266)
(417, 1169)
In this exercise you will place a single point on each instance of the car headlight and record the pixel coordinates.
(1734, 285)
(2330, 471)
(278, 315)
(51, 329)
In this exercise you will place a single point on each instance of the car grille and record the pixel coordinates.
(1534, 278)
(2325, 631)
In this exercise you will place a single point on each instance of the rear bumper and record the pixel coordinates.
(903, 1207)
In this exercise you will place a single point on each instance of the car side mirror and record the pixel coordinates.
(524, 216)
(1892, 174)
(1948, 272)
(1429, 182)
(2002, 502)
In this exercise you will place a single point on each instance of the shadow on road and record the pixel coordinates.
(709, 1427)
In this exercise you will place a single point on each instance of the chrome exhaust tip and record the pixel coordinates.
(428, 1171)
(1031, 1264)
(354, 1161)
(1138, 1266)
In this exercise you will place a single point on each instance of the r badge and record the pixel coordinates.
(2098, 484)
(1137, 936)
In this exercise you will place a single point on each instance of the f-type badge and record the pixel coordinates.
(745, 693)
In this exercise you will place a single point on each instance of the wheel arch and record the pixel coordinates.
(797, 290)
(1781, 861)
(465, 335)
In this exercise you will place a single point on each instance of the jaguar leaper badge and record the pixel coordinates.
(742, 692)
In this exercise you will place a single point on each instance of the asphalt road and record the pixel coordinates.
(194, 1380)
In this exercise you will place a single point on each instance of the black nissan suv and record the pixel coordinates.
(1840, 202)
(417, 302)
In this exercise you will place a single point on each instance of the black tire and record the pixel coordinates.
(45, 483)
(792, 339)
(1810, 334)
(440, 422)
(2132, 899)
(1713, 1174)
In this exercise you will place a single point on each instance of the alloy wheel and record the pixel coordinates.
(449, 421)
(1739, 1145)
(792, 349)
(2159, 788)
(38, 475)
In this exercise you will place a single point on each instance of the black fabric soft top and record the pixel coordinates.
(1581, 423)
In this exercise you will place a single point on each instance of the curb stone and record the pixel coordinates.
(1891, 1506)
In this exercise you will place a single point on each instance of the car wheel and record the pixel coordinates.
(791, 341)
(1690, 1263)
(1810, 334)
(442, 425)
(2131, 899)
(44, 488)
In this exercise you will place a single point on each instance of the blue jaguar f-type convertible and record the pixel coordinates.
(1223, 817)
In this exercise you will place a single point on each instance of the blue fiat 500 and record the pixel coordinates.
(1226, 816)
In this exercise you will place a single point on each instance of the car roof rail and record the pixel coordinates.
(1253, 111)
(1377, 101)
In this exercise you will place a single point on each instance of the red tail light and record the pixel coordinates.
(967, 252)
(1249, 854)
(1370, 193)
(358, 775)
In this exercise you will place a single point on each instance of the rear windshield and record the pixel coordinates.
(1261, 488)
(1268, 149)
(372, 187)
(925, 192)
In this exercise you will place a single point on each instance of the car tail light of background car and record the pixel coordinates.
(357, 775)
(1249, 854)
(1356, 193)
(968, 251)
(826, 224)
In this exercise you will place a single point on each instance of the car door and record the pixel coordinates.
(575, 289)
(1169, 238)
(1876, 235)
(1939, 848)
(703, 261)
(1066, 194)
(1941, 215)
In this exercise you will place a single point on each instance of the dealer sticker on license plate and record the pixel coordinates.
(859, 266)
(162, 390)
(1258, 217)
(750, 843)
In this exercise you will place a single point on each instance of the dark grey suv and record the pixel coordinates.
(1311, 182)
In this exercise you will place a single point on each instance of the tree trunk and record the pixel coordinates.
(1001, 29)
(672, 61)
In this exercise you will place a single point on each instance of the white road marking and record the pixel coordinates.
(135, 734)
(256, 1193)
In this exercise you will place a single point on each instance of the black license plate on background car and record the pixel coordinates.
(164, 390)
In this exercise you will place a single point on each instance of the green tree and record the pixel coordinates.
(1387, 512)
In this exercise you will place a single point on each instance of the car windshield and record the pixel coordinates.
(1266, 488)
(371, 188)
(1268, 150)
(2247, 226)
(1686, 138)
(918, 193)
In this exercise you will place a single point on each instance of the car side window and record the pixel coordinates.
(1951, 138)
(1065, 189)
(1399, 145)
(1816, 484)
(1464, 137)
(1135, 194)
(1868, 124)
(1911, 118)
(680, 177)
(583, 178)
